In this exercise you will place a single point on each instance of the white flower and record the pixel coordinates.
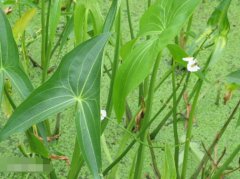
(192, 65)
(103, 114)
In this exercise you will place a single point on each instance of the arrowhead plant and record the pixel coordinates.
(75, 83)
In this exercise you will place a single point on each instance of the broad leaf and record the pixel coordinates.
(132, 72)
(164, 20)
(166, 14)
(76, 81)
(9, 60)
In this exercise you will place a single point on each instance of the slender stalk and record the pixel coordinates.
(219, 171)
(215, 141)
(46, 51)
(154, 162)
(115, 63)
(149, 3)
(152, 135)
(174, 113)
(43, 50)
(158, 128)
(165, 76)
(119, 158)
(129, 19)
(189, 131)
(140, 155)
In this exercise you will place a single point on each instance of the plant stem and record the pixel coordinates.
(226, 163)
(149, 3)
(174, 113)
(215, 141)
(115, 64)
(143, 136)
(46, 50)
(152, 135)
(129, 20)
(43, 50)
(158, 128)
(154, 162)
(189, 131)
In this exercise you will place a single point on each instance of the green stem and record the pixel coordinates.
(120, 156)
(143, 136)
(149, 3)
(43, 50)
(219, 172)
(174, 113)
(158, 128)
(189, 131)
(46, 50)
(129, 20)
(215, 141)
(154, 162)
(114, 66)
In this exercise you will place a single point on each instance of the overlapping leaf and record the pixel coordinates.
(164, 20)
(76, 81)
(9, 60)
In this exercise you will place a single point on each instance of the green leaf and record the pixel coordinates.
(111, 15)
(76, 81)
(83, 12)
(88, 132)
(37, 146)
(80, 22)
(23, 22)
(233, 77)
(169, 170)
(166, 15)
(66, 33)
(220, 44)
(178, 54)
(9, 60)
(219, 18)
(132, 72)
(164, 19)
(55, 13)
(219, 21)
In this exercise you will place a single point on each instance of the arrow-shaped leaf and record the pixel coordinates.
(9, 60)
(76, 81)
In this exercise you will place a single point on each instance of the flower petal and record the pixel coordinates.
(188, 59)
(103, 114)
